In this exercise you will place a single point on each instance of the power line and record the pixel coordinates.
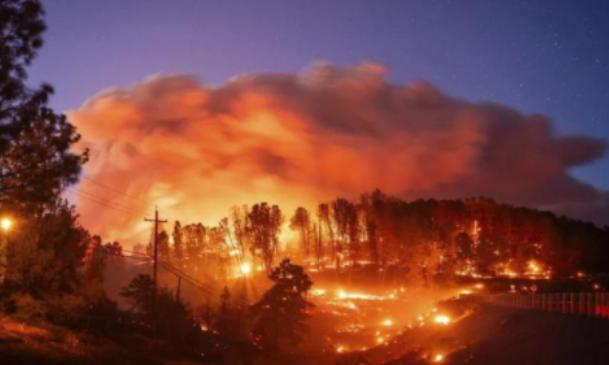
(113, 189)
(107, 204)
(206, 289)
(180, 274)
(113, 203)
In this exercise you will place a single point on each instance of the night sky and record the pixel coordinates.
(549, 57)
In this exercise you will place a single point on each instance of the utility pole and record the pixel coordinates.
(155, 258)
(155, 247)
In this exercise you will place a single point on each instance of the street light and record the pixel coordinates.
(6, 224)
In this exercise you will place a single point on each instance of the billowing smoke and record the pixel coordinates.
(195, 150)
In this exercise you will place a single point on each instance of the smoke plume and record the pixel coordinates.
(197, 150)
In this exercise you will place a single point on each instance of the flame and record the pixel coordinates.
(387, 322)
(245, 268)
(442, 319)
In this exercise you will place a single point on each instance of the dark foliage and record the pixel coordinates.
(279, 316)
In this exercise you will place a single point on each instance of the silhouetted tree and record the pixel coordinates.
(301, 222)
(279, 316)
(21, 28)
(173, 320)
(178, 253)
(36, 159)
(324, 218)
(344, 214)
(37, 163)
(263, 227)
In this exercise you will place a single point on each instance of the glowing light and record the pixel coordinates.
(6, 224)
(533, 267)
(351, 305)
(442, 319)
(340, 349)
(318, 292)
(388, 322)
(245, 268)
(343, 294)
(438, 358)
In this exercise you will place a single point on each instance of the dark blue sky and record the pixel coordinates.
(549, 57)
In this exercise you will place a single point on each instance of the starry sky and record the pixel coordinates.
(549, 57)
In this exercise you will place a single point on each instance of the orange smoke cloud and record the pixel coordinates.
(195, 150)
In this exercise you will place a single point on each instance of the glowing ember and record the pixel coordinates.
(533, 267)
(442, 319)
(234, 252)
(245, 268)
(387, 322)
(340, 349)
(343, 294)
(438, 358)
(319, 292)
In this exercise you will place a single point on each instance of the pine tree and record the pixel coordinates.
(279, 316)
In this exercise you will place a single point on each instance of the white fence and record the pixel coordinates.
(592, 304)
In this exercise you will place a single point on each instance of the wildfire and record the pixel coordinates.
(343, 295)
(245, 268)
(438, 358)
(533, 267)
(318, 292)
(442, 319)
(388, 322)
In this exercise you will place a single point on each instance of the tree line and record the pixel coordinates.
(428, 238)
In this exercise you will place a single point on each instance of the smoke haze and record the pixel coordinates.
(296, 139)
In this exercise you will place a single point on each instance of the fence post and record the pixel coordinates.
(572, 303)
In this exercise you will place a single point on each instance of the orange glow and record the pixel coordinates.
(533, 267)
(438, 358)
(318, 292)
(6, 224)
(388, 322)
(342, 294)
(245, 268)
(442, 319)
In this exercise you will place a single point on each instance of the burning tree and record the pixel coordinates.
(263, 226)
(301, 222)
